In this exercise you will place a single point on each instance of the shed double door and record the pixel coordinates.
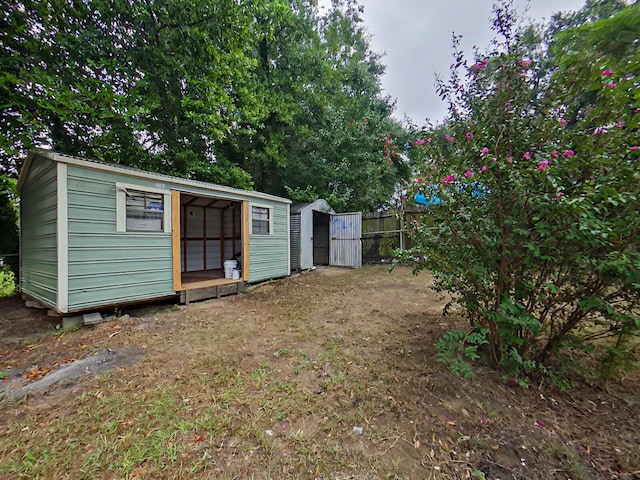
(345, 240)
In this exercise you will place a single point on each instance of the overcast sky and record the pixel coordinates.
(416, 37)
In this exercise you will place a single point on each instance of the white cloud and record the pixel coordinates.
(416, 36)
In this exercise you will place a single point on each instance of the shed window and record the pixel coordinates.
(260, 220)
(142, 209)
(145, 211)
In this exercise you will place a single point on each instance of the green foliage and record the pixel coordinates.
(619, 358)
(267, 93)
(9, 222)
(326, 131)
(458, 346)
(537, 173)
(149, 84)
(7, 283)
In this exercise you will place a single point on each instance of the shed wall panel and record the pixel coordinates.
(213, 222)
(194, 222)
(295, 241)
(213, 254)
(106, 266)
(195, 255)
(38, 217)
(270, 253)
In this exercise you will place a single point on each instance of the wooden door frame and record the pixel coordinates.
(175, 239)
(246, 218)
(176, 232)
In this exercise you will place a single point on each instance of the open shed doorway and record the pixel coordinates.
(210, 233)
(321, 222)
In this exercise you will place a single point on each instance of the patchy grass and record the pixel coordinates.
(272, 383)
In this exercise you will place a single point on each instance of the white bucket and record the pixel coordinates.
(229, 267)
(236, 274)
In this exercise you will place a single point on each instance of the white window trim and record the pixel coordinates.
(121, 206)
(268, 207)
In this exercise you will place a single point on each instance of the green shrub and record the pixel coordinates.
(538, 185)
(8, 286)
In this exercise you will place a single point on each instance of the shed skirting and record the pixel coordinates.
(213, 291)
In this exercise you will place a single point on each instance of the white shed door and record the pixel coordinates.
(345, 248)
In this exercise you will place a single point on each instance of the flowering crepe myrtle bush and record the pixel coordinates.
(547, 255)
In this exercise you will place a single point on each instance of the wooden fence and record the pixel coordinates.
(382, 232)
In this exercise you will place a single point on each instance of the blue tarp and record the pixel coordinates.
(423, 200)
(430, 196)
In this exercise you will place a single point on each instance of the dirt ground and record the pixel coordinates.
(329, 374)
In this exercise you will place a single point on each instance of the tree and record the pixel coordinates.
(8, 223)
(238, 93)
(151, 84)
(536, 236)
(325, 122)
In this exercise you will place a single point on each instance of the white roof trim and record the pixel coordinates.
(320, 205)
(134, 172)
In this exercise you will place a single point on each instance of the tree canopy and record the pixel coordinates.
(268, 94)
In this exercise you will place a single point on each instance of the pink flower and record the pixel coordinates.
(404, 199)
(420, 180)
(563, 121)
(607, 73)
(634, 148)
(527, 63)
(611, 85)
(484, 168)
(554, 154)
(539, 423)
(484, 151)
(527, 155)
(621, 123)
(568, 153)
(481, 65)
(599, 131)
(449, 138)
(469, 136)
(559, 195)
(419, 142)
(429, 140)
(468, 173)
(448, 179)
(543, 164)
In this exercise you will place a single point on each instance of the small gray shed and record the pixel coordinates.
(319, 236)
(95, 235)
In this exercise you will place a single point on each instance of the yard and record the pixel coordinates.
(330, 374)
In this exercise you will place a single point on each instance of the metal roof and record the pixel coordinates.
(135, 172)
(320, 205)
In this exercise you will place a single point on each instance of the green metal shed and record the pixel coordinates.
(95, 235)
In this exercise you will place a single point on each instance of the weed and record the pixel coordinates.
(569, 459)
(260, 375)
